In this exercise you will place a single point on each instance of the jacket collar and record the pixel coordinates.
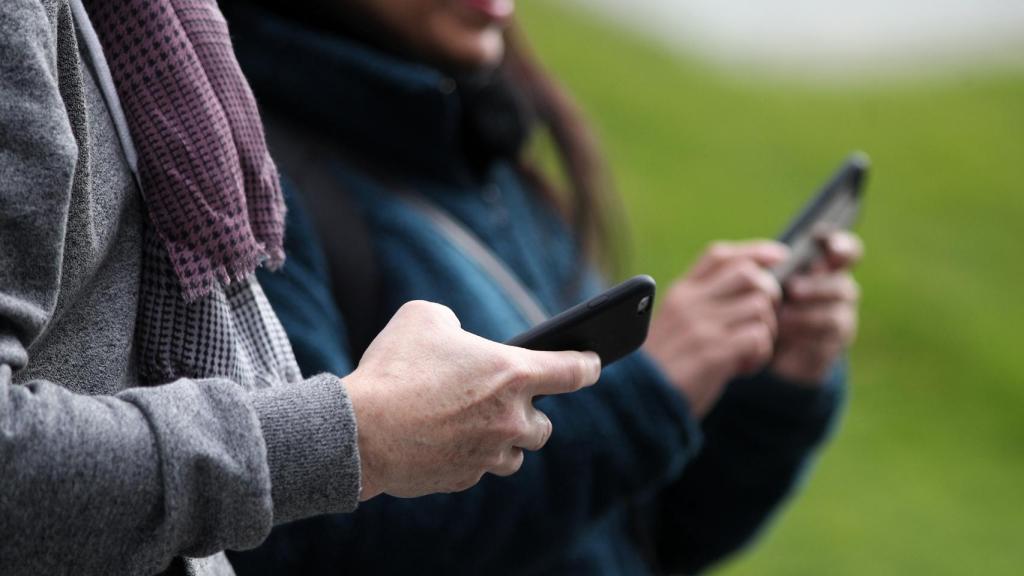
(378, 107)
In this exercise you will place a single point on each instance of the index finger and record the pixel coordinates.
(765, 253)
(560, 372)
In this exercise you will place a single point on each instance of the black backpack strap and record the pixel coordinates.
(344, 237)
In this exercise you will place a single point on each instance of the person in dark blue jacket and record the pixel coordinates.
(678, 456)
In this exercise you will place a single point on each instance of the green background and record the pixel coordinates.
(926, 473)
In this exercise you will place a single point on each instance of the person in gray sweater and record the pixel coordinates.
(144, 429)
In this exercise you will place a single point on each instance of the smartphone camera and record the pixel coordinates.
(643, 305)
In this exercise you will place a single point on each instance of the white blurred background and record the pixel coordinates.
(833, 38)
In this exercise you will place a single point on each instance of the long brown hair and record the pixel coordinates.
(586, 196)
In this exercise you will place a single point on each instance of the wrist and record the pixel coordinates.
(362, 406)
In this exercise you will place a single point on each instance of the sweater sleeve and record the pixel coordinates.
(612, 443)
(90, 484)
(759, 441)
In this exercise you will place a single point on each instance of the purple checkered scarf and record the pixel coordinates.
(210, 186)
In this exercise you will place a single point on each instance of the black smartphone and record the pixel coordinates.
(836, 206)
(612, 324)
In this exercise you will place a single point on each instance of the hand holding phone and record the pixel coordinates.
(835, 207)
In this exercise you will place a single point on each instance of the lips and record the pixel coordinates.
(493, 9)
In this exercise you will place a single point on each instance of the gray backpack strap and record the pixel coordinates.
(474, 248)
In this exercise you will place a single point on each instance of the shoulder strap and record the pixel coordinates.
(344, 238)
(473, 247)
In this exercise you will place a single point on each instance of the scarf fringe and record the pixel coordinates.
(225, 274)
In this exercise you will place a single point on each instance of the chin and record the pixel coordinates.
(479, 51)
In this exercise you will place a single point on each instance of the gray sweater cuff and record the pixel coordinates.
(312, 447)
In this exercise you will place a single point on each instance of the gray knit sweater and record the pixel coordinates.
(135, 430)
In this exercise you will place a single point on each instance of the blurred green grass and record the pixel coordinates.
(927, 471)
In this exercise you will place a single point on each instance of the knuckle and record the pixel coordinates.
(515, 462)
(496, 461)
(567, 375)
(439, 311)
(419, 311)
(519, 426)
(435, 308)
(447, 313)
(416, 306)
(430, 312)
(518, 372)
(505, 365)
(508, 427)
(405, 311)
(750, 275)
(510, 463)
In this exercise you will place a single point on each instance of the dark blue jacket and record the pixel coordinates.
(630, 482)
